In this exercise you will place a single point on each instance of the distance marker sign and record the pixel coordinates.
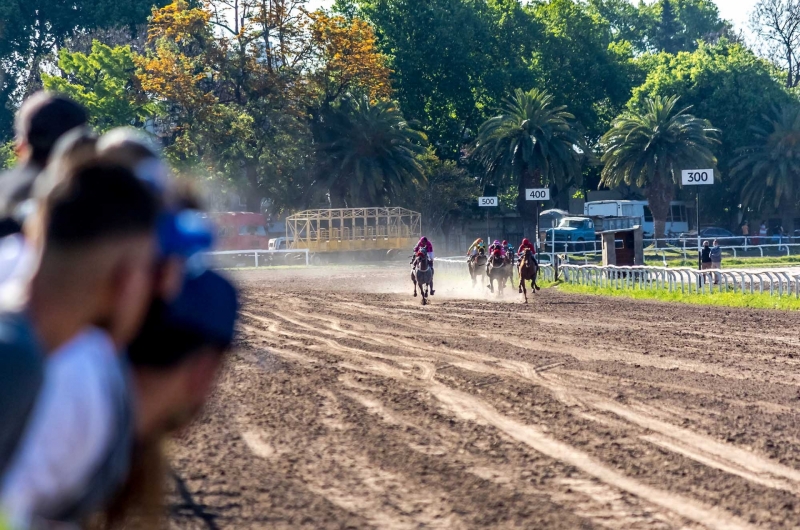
(537, 194)
(697, 177)
(487, 201)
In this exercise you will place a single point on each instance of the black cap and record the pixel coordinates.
(44, 118)
(204, 314)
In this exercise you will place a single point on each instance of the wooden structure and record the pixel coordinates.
(354, 229)
(623, 247)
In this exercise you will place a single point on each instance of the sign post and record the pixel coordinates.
(487, 202)
(697, 177)
(538, 195)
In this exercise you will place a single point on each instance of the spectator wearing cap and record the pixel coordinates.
(40, 122)
(92, 289)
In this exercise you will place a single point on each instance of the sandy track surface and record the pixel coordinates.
(349, 405)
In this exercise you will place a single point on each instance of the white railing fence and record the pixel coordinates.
(256, 258)
(685, 280)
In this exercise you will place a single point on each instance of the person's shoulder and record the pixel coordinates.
(16, 333)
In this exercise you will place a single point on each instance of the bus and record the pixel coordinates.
(677, 221)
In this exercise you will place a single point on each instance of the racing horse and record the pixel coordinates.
(477, 265)
(422, 275)
(528, 270)
(497, 269)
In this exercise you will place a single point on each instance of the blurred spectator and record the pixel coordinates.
(175, 361)
(92, 287)
(40, 122)
(716, 259)
(746, 232)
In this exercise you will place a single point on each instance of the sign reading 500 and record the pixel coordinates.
(487, 201)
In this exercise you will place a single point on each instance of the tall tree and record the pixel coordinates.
(370, 153)
(105, 82)
(727, 85)
(453, 59)
(777, 25)
(530, 144)
(768, 171)
(31, 31)
(650, 148)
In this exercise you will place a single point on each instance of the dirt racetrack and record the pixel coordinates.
(348, 405)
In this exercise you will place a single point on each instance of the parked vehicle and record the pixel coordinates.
(677, 222)
(710, 233)
(576, 232)
(240, 231)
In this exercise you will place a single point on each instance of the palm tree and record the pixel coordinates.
(371, 152)
(650, 148)
(767, 171)
(533, 142)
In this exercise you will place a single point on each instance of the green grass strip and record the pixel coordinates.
(726, 299)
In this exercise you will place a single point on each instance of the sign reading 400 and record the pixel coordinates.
(695, 177)
(537, 194)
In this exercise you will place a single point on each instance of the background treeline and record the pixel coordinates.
(383, 101)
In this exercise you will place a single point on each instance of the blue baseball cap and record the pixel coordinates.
(184, 233)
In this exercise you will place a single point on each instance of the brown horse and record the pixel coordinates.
(422, 276)
(477, 265)
(528, 270)
(497, 269)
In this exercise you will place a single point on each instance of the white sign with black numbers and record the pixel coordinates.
(695, 177)
(537, 194)
(487, 201)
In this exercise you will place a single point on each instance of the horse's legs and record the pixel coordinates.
(414, 281)
(524, 289)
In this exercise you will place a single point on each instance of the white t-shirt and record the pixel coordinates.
(70, 430)
(17, 263)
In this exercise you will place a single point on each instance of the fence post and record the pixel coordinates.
(256, 253)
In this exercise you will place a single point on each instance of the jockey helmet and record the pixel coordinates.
(497, 252)
(505, 242)
(496, 242)
(526, 242)
(424, 239)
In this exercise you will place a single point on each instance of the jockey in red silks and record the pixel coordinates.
(426, 245)
(497, 245)
(526, 244)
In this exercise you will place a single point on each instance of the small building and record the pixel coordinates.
(623, 247)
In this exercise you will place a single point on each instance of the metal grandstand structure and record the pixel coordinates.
(352, 229)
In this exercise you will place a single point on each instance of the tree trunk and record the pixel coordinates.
(659, 194)
(787, 216)
(526, 208)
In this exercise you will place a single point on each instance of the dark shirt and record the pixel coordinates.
(21, 375)
(705, 255)
(16, 187)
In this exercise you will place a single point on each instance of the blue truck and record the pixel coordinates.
(579, 234)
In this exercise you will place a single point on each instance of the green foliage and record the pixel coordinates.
(30, 31)
(105, 82)
(768, 170)
(453, 59)
(7, 155)
(580, 63)
(651, 147)
(443, 195)
(531, 143)
(369, 153)
(727, 85)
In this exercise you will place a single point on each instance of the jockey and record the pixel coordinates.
(497, 245)
(474, 248)
(526, 244)
(509, 248)
(421, 253)
(424, 243)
